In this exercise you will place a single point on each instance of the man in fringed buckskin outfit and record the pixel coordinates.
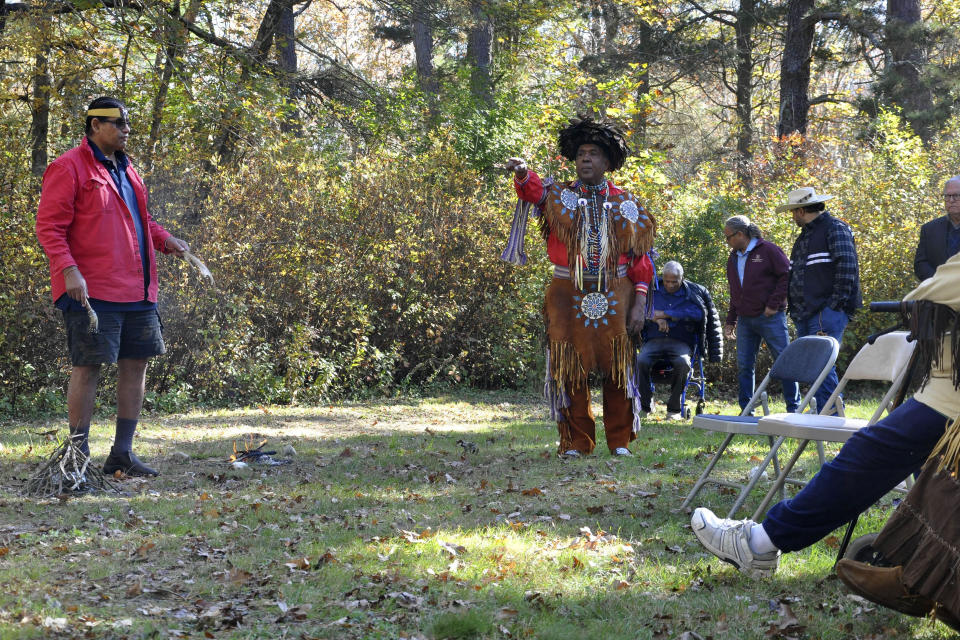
(597, 237)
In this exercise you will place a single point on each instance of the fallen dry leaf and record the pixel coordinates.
(298, 563)
(239, 576)
(786, 619)
(453, 549)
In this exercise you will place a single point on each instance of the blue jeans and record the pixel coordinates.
(677, 353)
(828, 322)
(873, 461)
(750, 331)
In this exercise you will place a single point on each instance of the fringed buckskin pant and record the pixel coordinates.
(577, 347)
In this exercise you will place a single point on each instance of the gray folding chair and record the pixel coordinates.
(885, 360)
(807, 360)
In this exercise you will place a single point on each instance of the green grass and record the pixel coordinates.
(383, 527)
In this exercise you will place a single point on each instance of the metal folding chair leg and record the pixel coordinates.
(778, 484)
(753, 481)
(702, 480)
(846, 541)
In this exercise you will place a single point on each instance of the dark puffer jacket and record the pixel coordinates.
(710, 331)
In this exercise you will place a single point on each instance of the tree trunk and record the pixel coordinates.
(176, 37)
(423, 51)
(746, 21)
(907, 59)
(69, 89)
(224, 146)
(479, 53)
(643, 86)
(287, 54)
(795, 69)
(40, 111)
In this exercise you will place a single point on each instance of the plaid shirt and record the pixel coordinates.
(841, 252)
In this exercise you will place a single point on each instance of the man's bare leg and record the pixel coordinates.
(81, 397)
(131, 381)
(131, 377)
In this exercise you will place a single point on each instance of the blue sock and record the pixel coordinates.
(123, 441)
(81, 438)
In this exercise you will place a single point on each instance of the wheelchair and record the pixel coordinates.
(662, 372)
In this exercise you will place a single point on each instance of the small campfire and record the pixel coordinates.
(252, 453)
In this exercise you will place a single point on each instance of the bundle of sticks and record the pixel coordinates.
(67, 470)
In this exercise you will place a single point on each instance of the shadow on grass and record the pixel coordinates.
(388, 527)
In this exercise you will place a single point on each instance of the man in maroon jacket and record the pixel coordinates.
(758, 273)
(94, 226)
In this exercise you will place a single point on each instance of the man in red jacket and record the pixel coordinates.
(598, 236)
(94, 226)
(758, 273)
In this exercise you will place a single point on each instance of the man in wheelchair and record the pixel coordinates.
(684, 322)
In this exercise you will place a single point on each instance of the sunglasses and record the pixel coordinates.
(119, 123)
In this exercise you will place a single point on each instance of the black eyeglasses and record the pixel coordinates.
(119, 123)
(951, 197)
(730, 235)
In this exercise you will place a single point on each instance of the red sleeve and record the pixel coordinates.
(531, 189)
(55, 214)
(640, 272)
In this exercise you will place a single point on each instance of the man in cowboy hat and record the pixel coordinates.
(598, 236)
(93, 224)
(824, 288)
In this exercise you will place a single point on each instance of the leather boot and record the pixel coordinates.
(883, 585)
(128, 463)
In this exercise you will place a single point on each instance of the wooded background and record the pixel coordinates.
(333, 164)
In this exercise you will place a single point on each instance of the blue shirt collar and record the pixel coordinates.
(122, 160)
(750, 246)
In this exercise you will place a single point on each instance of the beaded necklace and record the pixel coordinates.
(593, 237)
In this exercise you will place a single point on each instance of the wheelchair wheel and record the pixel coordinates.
(862, 550)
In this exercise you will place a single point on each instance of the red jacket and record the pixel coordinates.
(82, 220)
(639, 268)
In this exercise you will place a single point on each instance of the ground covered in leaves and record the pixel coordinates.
(446, 517)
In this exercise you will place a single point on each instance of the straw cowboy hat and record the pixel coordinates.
(802, 197)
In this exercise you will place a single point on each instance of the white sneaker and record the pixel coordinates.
(571, 453)
(675, 416)
(729, 540)
(622, 451)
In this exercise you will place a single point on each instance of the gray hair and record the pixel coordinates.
(743, 225)
(673, 267)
